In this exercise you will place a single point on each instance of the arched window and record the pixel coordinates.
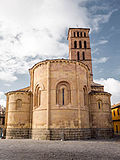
(99, 104)
(78, 56)
(85, 44)
(77, 34)
(63, 94)
(75, 44)
(37, 97)
(63, 98)
(84, 34)
(81, 34)
(18, 103)
(74, 34)
(85, 95)
(83, 55)
(80, 44)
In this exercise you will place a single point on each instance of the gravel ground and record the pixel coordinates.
(56, 150)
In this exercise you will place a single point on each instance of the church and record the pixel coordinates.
(62, 101)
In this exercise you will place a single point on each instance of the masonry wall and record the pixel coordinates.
(50, 116)
(100, 118)
(18, 117)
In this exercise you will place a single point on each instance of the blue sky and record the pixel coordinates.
(33, 30)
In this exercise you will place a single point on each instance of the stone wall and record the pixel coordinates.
(61, 134)
(48, 76)
(18, 133)
(18, 116)
(101, 133)
(100, 115)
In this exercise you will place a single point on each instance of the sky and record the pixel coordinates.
(35, 30)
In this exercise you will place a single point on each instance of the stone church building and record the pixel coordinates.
(62, 101)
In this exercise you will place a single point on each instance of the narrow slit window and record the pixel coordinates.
(78, 56)
(75, 44)
(83, 55)
(84, 34)
(77, 34)
(63, 102)
(74, 34)
(81, 34)
(85, 44)
(99, 105)
(39, 98)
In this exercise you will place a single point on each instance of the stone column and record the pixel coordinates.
(31, 115)
(48, 94)
(78, 96)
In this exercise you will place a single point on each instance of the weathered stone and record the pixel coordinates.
(62, 101)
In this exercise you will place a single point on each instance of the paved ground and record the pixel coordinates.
(56, 150)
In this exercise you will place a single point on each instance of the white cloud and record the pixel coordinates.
(95, 46)
(1, 94)
(6, 76)
(102, 42)
(36, 28)
(2, 100)
(101, 18)
(7, 84)
(112, 86)
(100, 60)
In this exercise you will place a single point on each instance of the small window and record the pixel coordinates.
(39, 97)
(19, 103)
(63, 97)
(81, 34)
(85, 44)
(78, 56)
(114, 113)
(99, 103)
(74, 34)
(80, 44)
(84, 34)
(75, 44)
(118, 112)
(83, 55)
(63, 93)
(77, 34)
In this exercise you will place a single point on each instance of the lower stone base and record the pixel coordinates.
(99, 133)
(18, 133)
(61, 134)
(58, 134)
(41, 133)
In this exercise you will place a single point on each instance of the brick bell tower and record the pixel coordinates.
(79, 46)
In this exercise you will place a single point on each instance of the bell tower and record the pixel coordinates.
(79, 46)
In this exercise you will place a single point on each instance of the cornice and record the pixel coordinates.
(99, 93)
(67, 61)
